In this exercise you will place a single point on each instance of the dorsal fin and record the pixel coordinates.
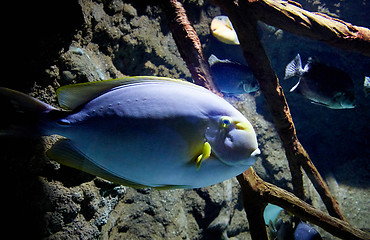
(74, 95)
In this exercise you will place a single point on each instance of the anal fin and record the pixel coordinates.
(67, 154)
(319, 103)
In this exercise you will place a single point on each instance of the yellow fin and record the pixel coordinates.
(206, 153)
(74, 95)
(67, 154)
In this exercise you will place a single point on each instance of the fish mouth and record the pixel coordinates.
(249, 161)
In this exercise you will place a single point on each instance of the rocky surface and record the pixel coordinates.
(90, 40)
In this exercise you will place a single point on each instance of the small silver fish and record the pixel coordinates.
(323, 85)
(142, 131)
(231, 77)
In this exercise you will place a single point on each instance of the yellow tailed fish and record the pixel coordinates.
(141, 131)
(223, 30)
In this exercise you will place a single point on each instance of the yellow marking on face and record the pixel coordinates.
(243, 126)
(206, 153)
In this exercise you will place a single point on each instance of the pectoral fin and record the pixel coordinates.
(295, 86)
(206, 153)
(67, 154)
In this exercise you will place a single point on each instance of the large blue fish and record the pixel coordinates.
(143, 131)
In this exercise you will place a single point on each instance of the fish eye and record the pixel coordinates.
(226, 122)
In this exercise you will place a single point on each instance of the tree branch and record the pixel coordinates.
(188, 44)
(263, 192)
(245, 23)
(290, 17)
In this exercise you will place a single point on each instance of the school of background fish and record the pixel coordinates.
(93, 208)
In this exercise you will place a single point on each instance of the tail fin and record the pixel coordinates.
(21, 114)
(294, 68)
(212, 60)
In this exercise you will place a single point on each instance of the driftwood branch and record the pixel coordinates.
(290, 17)
(188, 44)
(245, 22)
(262, 192)
(256, 192)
